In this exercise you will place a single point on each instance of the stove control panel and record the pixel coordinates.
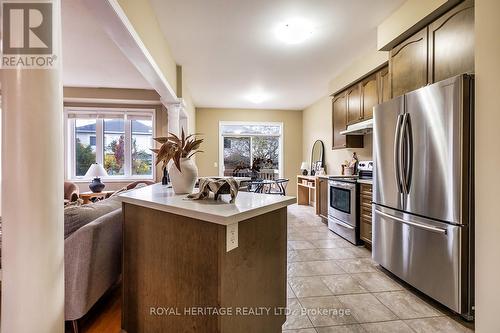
(365, 165)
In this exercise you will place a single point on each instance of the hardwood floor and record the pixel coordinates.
(105, 315)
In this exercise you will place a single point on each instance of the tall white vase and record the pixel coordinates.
(183, 181)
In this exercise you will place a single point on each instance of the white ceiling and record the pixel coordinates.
(228, 49)
(90, 57)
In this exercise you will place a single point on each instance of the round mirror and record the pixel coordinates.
(317, 157)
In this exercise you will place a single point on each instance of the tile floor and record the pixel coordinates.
(334, 286)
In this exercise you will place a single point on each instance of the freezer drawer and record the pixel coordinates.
(424, 253)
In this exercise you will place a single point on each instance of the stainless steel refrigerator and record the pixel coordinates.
(423, 216)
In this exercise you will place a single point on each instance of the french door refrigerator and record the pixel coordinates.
(423, 190)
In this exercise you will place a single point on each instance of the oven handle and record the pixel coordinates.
(342, 185)
(413, 224)
(345, 225)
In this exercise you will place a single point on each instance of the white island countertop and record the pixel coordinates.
(246, 205)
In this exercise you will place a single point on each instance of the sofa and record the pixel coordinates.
(92, 255)
(71, 192)
(92, 252)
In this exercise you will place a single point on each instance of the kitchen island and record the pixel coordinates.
(203, 266)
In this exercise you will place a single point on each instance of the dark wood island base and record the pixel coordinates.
(178, 277)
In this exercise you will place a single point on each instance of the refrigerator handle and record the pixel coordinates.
(397, 152)
(413, 224)
(403, 154)
(408, 152)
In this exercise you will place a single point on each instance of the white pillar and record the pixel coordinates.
(177, 117)
(32, 200)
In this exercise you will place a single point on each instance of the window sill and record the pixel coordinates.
(111, 180)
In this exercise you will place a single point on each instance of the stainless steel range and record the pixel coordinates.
(343, 203)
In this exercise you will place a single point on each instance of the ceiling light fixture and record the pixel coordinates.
(257, 97)
(294, 31)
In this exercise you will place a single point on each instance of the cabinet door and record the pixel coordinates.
(353, 105)
(451, 43)
(384, 85)
(339, 120)
(365, 209)
(369, 96)
(408, 64)
(322, 199)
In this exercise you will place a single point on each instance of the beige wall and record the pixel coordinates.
(317, 125)
(142, 16)
(190, 110)
(411, 12)
(207, 124)
(317, 118)
(358, 68)
(117, 95)
(145, 23)
(487, 160)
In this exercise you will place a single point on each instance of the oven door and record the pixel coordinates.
(342, 201)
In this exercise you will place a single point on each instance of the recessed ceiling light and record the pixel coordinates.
(294, 31)
(257, 97)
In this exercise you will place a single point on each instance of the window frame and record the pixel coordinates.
(258, 123)
(102, 112)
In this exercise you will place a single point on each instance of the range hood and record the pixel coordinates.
(361, 128)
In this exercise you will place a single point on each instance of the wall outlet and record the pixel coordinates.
(231, 236)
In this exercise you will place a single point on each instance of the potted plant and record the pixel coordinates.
(183, 171)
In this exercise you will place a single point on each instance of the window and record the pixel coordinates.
(120, 140)
(85, 151)
(251, 149)
(142, 157)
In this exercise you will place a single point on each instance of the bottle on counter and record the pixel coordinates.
(166, 179)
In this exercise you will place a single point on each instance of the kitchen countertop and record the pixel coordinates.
(334, 176)
(361, 181)
(246, 205)
(240, 179)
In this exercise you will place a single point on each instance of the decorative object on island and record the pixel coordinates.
(218, 187)
(96, 171)
(183, 171)
(317, 157)
(304, 168)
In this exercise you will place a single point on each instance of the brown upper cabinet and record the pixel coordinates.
(339, 124)
(369, 95)
(384, 85)
(408, 64)
(441, 50)
(451, 43)
(339, 120)
(353, 105)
